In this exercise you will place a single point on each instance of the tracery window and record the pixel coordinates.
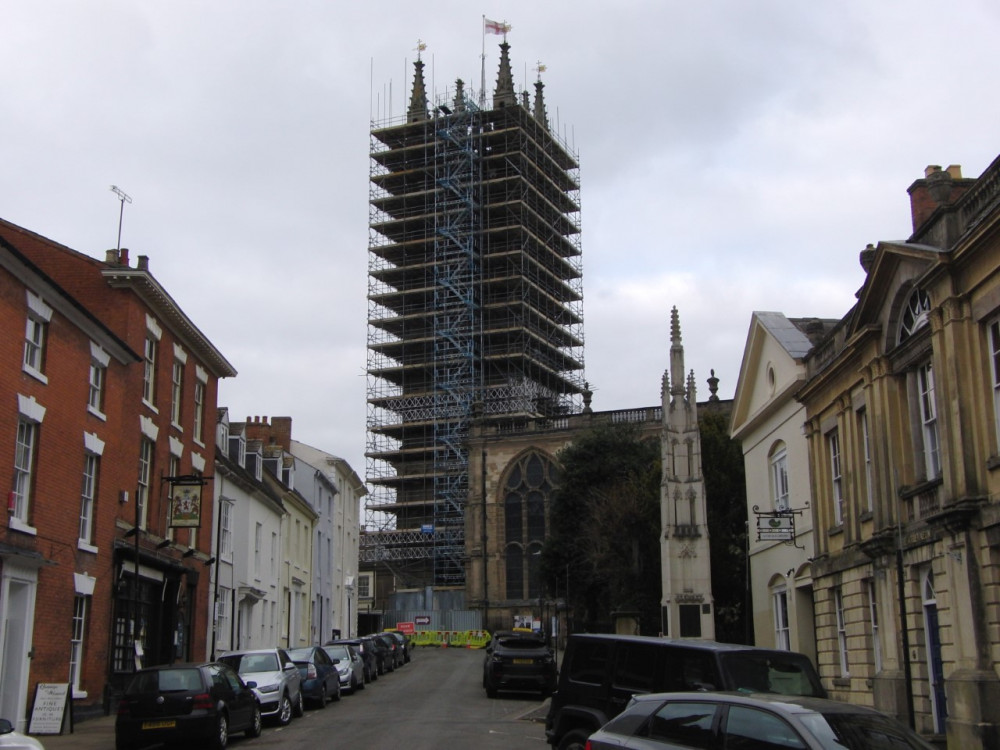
(527, 490)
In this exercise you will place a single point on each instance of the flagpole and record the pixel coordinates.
(482, 70)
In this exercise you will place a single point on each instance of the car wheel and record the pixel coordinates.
(575, 740)
(285, 711)
(336, 692)
(360, 685)
(221, 737)
(122, 745)
(255, 729)
(299, 708)
(492, 693)
(322, 697)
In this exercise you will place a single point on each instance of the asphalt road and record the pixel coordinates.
(436, 701)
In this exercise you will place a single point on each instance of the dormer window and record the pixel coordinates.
(914, 315)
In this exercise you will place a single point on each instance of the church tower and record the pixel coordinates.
(684, 552)
(474, 298)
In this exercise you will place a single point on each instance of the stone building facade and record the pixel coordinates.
(903, 426)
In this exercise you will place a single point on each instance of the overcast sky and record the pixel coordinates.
(735, 156)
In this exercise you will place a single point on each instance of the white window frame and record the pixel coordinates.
(36, 336)
(782, 635)
(97, 379)
(258, 536)
(88, 495)
(929, 420)
(779, 478)
(176, 392)
(836, 476)
(198, 423)
(226, 530)
(873, 622)
(838, 605)
(76, 643)
(30, 417)
(867, 457)
(146, 454)
(364, 585)
(25, 453)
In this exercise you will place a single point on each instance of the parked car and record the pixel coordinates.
(383, 656)
(279, 683)
(686, 720)
(320, 679)
(351, 667)
(197, 704)
(404, 641)
(601, 672)
(518, 661)
(12, 740)
(394, 657)
(365, 647)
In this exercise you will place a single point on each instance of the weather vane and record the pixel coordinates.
(540, 67)
(421, 46)
(124, 198)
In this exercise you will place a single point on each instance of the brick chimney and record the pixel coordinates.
(939, 187)
(276, 432)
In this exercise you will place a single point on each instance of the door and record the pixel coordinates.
(17, 610)
(935, 663)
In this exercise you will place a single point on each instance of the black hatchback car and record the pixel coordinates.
(195, 704)
(518, 661)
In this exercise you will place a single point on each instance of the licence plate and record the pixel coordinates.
(167, 724)
(524, 661)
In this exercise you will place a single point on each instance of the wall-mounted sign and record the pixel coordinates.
(185, 501)
(776, 525)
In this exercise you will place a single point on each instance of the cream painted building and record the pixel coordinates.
(768, 422)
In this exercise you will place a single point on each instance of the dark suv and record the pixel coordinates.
(366, 647)
(600, 673)
(518, 661)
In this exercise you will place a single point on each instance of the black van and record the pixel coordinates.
(600, 672)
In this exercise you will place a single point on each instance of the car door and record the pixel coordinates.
(324, 665)
(238, 698)
(292, 676)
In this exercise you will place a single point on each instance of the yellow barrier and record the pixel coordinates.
(451, 638)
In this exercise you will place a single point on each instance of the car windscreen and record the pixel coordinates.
(252, 663)
(862, 732)
(337, 652)
(772, 672)
(300, 654)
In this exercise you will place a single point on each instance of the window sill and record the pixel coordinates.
(36, 374)
(85, 546)
(841, 682)
(176, 426)
(97, 413)
(835, 530)
(16, 524)
(149, 406)
(197, 441)
(79, 694)
(993, 463)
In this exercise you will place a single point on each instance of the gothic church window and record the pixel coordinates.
(528, 487)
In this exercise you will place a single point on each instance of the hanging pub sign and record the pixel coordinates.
(185, 501)
(776, 525)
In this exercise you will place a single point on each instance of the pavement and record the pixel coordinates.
(92, 734)
(99, 733)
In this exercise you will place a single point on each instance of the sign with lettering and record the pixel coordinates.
(49, 712)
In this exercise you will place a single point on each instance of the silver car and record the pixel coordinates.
(669, 721)
(351, 667)
(279, 683)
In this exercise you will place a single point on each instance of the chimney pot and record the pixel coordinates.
(123, 256)
(111, 257)
(142, 263)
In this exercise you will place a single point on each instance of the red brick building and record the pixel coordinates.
(106, 445)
